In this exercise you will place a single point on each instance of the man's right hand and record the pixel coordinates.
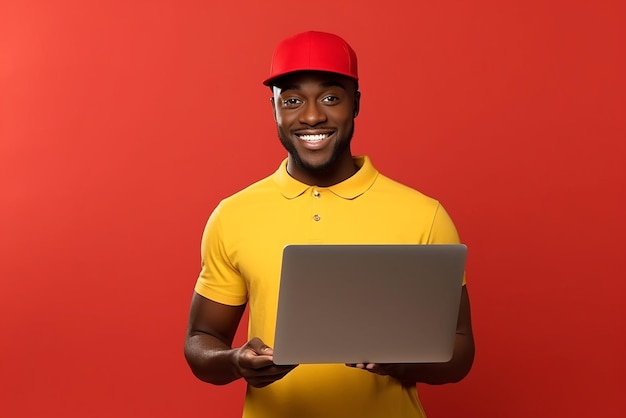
(254, 361)
(209, 351)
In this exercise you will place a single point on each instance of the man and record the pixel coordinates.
(320, 194)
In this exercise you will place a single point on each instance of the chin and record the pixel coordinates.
(316, 166)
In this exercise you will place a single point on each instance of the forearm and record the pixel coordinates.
(210, 359)
(438, 373)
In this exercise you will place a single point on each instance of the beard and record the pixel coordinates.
(340, 147)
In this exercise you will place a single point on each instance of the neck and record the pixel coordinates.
(339, 171)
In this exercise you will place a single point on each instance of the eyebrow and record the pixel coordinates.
(326, 84)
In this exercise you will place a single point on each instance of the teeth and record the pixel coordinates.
(312, 138)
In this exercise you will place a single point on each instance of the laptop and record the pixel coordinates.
(368, 303)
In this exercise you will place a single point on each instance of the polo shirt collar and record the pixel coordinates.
(350, 188)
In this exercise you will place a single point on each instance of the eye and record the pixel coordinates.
(330, 99)
(291, 102)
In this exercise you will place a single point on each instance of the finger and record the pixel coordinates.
(360, 365)
(251, 360)
(266, 380)
(259, 347)
(370, 367)
(273, 371)
(264, 377)
(380, 369)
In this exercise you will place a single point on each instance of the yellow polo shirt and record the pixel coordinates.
(241, 258)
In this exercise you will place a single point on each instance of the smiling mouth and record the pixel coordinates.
(313, 138)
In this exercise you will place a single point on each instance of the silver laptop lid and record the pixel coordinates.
(368, 303)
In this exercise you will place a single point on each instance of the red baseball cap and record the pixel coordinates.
(313, 51)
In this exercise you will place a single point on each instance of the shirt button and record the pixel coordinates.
(316, 193)
(316, 217)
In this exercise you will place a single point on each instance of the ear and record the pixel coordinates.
(357, 103)
(273, 107)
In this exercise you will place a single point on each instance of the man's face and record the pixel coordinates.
(314, 114)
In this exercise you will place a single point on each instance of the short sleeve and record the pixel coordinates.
(443, 230)
(219, 279)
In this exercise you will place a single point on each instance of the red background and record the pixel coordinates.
(122, 124)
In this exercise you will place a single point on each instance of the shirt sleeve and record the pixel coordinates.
(219, 279)
(443, 230)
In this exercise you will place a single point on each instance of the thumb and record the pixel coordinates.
(259, 347)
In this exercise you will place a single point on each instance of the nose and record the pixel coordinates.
(312, 113)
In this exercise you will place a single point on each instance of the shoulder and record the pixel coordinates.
(379, 187)
(261, 192)
(251, 192)
(402, 193)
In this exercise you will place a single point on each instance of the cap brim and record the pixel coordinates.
(270, 81)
